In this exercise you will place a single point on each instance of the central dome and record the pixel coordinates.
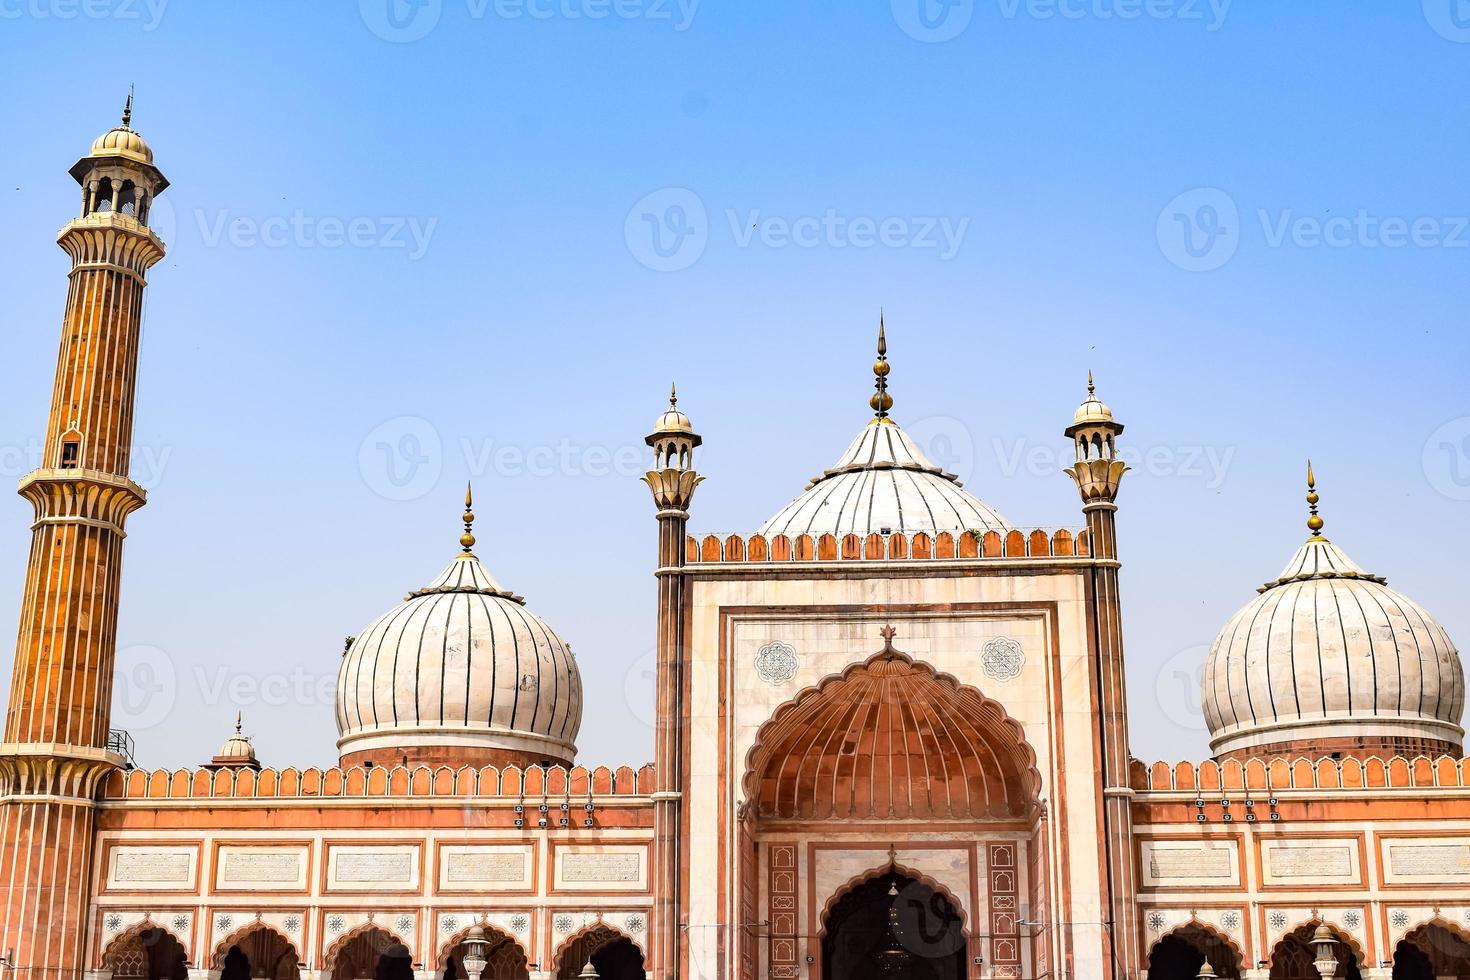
(883, 484)
(460, 673)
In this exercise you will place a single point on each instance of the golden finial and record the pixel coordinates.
(673, 395)
(467, 539)
(1091, 388)
(881, 400)
(127, 117)
(239, 721)
(1314, 521)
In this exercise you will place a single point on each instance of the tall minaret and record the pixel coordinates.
(673, 481)
(1098, 472)
(55, 751)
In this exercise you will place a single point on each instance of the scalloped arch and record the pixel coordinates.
(858, 880)
(587, 929)
(138, 929)
(1338, 932)
(329, 957)
(1195, 922)
(254, 925)
(448, 945)
(860, 742)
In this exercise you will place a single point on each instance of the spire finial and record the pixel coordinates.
(239, 721)
(467, 539)
(881, 400)
(673, 395)
(127, 117)
(1091, 388)
(1314, 520)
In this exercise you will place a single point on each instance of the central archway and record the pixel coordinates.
(894, 927)
(891, 738)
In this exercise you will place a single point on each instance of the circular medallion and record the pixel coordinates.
(1002, 658)
(776, 662)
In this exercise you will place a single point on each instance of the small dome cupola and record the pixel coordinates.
(883, 484)
(237, 752)
(460, 673)
(118, 175)
(1328, 660)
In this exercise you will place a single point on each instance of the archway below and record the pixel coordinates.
(1181, 954)
(1294, 958)
(613, 956)
(504, 960)
(1431, 952)
(259, 953)
(373, 954)
(147, 954)
(894, 927)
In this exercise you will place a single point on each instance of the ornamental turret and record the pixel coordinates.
(673, 441)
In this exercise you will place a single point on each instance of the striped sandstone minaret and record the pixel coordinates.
(1098, 472)
(673, 482)
(55, 750)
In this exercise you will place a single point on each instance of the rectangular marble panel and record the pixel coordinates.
(245, 868)
(1426, 860)
(159, 868)
(1309, 862)
(473, 867)
(606, 867)
(1184, 864)
(369, 868)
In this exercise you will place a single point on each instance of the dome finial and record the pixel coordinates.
(1091, 388)
(673, 395)
(1314, 521)
(881, 400)
(239, 722)
(127, 116)
(467, 539)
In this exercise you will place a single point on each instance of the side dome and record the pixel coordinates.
(1328, 659)
(122, 142)
(460, 673)
(883, 484)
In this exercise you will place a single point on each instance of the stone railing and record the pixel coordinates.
(1445, 772)
(959, 546)
(509, 784)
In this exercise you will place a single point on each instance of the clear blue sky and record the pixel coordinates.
(1016, 196)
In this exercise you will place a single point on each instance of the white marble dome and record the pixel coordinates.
(461, 671)
(1328, 651)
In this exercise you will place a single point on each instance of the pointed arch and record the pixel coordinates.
(243, 933)
(146, 950)
(891, 737)
(1227, 964)
(893, 867)
(330, 956)
(614, 933)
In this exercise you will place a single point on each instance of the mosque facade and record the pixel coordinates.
(891, 741)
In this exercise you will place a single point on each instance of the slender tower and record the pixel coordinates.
(1098, 472)
(673, 481)
(56, 745)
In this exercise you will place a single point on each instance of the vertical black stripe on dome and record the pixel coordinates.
(1398, 651)
(531, 623)
(1347, 653)
(923, 498)
(1356, 595)
(1230, 689)
(469, 653)
(495, 701)
(404, 610)
(1418, 650)
(897, 500)
(1266, 657)
(954, 497)
(830, 490)
(443, 659)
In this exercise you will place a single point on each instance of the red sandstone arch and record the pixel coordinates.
(1182, 932)
(342, 942)
(891, 738)
(506, 958)
(131, 942)
(857, 881)
(239, 935)
(1301, 933)
(589, 932)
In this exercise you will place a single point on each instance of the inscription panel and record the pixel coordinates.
(247, 868)
(480, 867)
(1309, 862)
(608, 867)
(1188, 864)
(159, 868)
(373, 868)
(1427, 861)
